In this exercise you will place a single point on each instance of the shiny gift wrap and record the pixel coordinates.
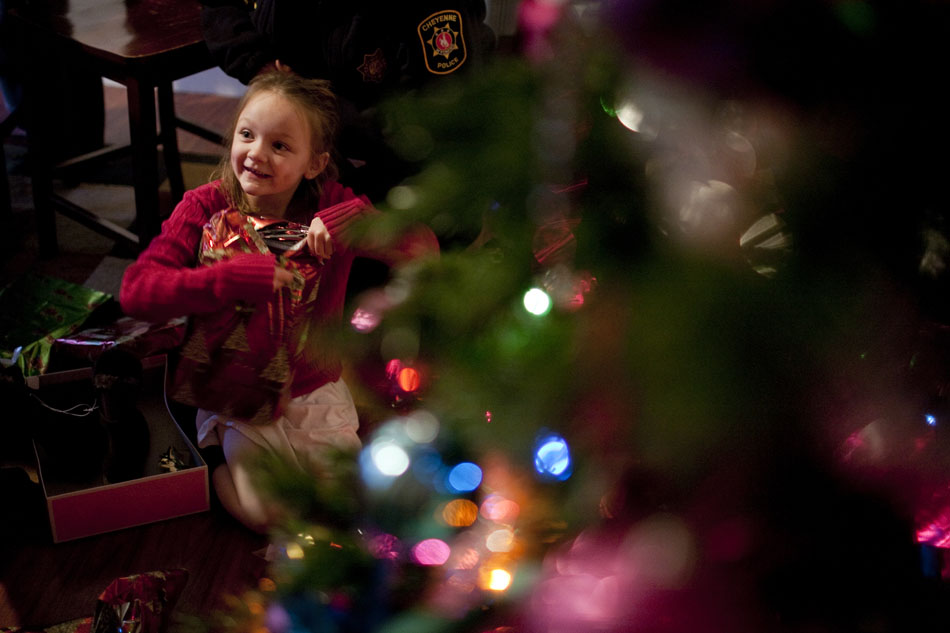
(141, 603)
(36, 310)
(220, 367)
(141, 338)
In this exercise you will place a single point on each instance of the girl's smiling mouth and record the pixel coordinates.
(256, 173)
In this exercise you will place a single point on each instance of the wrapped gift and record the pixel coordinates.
(141, 338)
(220, 368)
(141, 603)
(35, 310)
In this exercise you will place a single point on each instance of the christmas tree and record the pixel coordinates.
(679, 366)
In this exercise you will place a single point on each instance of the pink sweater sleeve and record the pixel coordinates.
(164, 283)
(340, 209)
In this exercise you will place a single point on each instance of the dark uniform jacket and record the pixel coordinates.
(367, 49)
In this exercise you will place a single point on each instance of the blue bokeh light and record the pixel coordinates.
(429, 469)
(464, 477)
(552, 457)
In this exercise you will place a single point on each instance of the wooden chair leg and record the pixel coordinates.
(36, 94)
(169, 140)
(142, 125)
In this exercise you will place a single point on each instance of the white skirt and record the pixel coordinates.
(323, 419)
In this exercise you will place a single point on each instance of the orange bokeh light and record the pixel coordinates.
(409, 379)
(460, 513)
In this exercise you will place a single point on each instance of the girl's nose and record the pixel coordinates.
(255, 151)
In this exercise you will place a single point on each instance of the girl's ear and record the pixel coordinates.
(318, 163)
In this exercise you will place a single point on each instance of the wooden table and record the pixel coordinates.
(143, 44)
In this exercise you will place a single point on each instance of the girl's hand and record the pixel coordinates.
(319, 241)
(282, 278)
(275, 65)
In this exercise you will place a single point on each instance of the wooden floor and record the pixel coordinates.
(42, 583)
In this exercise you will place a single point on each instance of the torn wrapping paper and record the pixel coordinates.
(238, 362)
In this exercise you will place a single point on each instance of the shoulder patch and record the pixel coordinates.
(443, 42)
(373, 67)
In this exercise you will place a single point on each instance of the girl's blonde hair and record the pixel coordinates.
(316, 102)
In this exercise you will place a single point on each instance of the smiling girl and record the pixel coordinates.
(278, 164)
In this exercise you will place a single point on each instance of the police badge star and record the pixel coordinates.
(443, 43)
(373, 68)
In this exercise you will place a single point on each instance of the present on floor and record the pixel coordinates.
(35, 310)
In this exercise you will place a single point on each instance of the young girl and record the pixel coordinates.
(278, 165)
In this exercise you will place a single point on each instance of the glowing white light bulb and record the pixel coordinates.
(500, 541)
(537, 302)
(402, 197)
(422, 427)
(390, 459)
(630, 116)
(499, 580)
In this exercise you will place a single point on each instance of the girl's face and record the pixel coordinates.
(271, 152)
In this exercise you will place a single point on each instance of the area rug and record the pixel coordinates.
(85, 256)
